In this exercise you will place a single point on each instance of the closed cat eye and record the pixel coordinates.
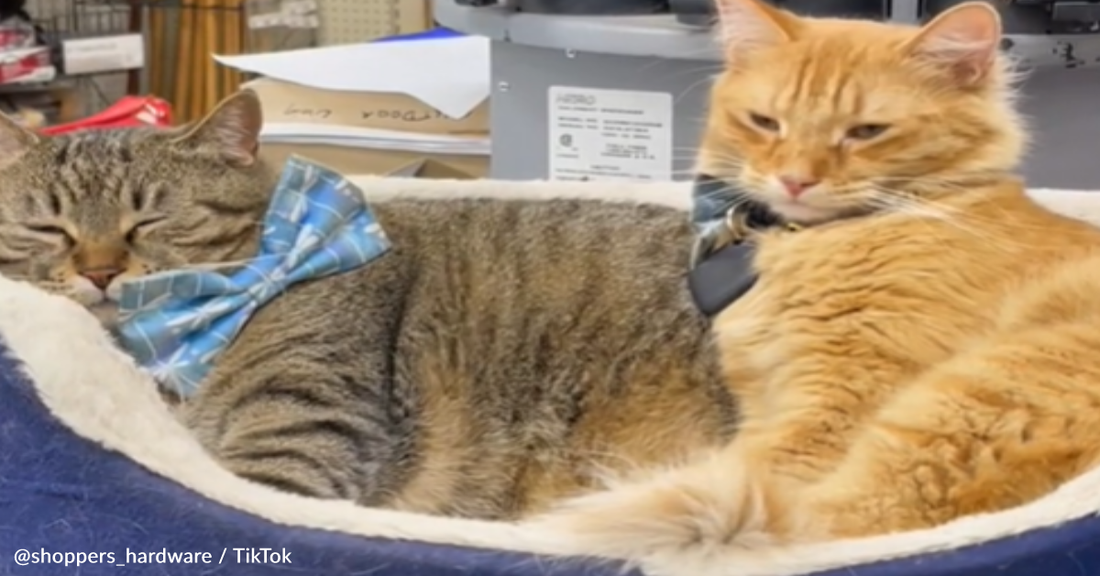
(52, 230)
(131, 234)
(866, 131)
(47, 229)
(764, 122)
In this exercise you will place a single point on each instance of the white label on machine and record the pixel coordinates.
(610, 134)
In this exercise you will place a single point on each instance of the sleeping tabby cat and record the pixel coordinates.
(502, 353)
(925, 348)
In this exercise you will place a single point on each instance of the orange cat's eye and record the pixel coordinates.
(866, 131)
(764, 122)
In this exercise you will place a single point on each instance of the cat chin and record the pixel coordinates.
(114, 292)
(106, 312)
(803, 213)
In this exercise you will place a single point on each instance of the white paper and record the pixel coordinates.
(609, 134)
(291, 133)
(449, 74)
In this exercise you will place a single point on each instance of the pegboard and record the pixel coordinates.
(353, 21)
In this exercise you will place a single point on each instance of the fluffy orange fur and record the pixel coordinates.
(932, 357)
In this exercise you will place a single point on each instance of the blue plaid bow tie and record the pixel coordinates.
(176, 323)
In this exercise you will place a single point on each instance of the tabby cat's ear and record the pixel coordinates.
(747, 25)
(15, 140)
(963, 41)
(232, 129)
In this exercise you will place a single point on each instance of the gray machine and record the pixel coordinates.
(649, 62)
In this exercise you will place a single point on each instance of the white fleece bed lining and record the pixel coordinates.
(100, 394)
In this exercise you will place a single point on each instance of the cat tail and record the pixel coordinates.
(682, 517)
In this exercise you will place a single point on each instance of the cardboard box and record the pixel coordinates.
(350, 160)
(296, 103)
(421, 107)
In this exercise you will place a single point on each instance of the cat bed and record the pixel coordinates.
(96, 478)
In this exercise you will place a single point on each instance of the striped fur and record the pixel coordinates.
(499, 358)
(117, 204)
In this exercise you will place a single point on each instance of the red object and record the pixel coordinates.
(128, 112)
(15, 64)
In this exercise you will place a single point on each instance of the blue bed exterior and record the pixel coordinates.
(62, 493)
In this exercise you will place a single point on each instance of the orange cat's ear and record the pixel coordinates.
(746, 25)
(963, 41)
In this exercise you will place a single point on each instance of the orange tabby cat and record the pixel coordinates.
(925, 349)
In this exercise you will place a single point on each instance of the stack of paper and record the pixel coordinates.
(351, 89)
(290, 133)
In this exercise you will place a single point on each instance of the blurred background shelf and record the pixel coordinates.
(178, 38)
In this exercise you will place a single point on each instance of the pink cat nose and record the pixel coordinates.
(796, 186)
(101, 277)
